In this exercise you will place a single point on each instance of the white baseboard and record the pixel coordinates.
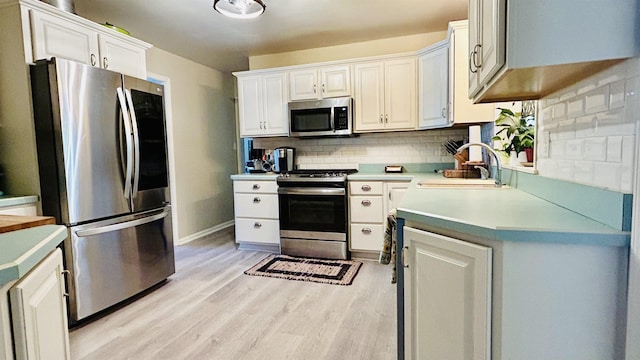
(204, 233)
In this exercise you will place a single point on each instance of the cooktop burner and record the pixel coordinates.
(317, 175)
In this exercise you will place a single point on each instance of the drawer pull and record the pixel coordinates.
(366, 203)
(366, 230)
(257, 225)
(256, 186)
(256, 200)
(366, 188)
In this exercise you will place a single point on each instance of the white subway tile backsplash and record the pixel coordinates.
(583, 172)
(614, 149)
(586, 126)
(564, 170)
(593, 141)
(392, 147)
(616, 95)
(575, 107)
(559, 111)
(573, 149)
(597, 100)
(607, 175)
(567, 129)
(595, 149)
(614, 122)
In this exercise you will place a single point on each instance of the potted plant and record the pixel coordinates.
(516, 134)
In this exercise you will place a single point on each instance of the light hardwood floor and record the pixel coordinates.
(210, 310)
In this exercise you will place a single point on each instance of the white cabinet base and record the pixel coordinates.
(39, 312)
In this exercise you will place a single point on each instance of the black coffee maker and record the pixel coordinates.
(284, 159)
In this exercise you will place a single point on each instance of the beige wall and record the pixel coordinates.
(348, 51)
(203, 134)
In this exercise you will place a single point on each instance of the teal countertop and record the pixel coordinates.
(21, 250)
(506, 214)
(11, 200)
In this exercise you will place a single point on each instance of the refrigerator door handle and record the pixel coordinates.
(127, 128)
(136, 144)
(122, 225)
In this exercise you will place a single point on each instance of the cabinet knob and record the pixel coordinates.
(365, 188)
(256, 200)
(93, 60)
(366, 230)
(256, 186)
(105, 62)
(365, 203)
(257, 225)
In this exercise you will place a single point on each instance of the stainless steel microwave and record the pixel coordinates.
(326, 117)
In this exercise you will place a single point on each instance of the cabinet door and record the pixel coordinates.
(55, 37)
(122, 57)
(336, 81)
(369, 96)
(250, 106)
(303, 85)
(276, 120)
(400, 94)
(474, 42)
(394, 193)
(447, 297)
(492, 38)
(39, 312)
(433, 88)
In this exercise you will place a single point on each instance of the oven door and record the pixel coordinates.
(313, 213)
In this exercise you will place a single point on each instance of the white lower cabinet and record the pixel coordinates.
(447, 297)
(39, 312)
(256, 212)
(369, 203)
(24, 210)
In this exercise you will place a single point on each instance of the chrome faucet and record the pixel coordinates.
(498, 176)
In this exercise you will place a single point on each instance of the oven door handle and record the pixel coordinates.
(310, 191)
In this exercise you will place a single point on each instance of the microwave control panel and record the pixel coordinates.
(341, 117)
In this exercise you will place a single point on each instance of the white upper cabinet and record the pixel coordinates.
(55, 37)
(433, 87)
(262, 105)
(319, 83)
(121, 56)
(385, 95)
(514, 56)
(55, 33)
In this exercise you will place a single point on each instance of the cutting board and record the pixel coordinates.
(467, 174)
(17, 222)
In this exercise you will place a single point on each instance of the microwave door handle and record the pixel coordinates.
(127, 129)
(333, 119)
(136, 144)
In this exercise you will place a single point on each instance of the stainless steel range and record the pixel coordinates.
(313, 213)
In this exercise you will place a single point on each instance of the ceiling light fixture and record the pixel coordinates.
(240, 9)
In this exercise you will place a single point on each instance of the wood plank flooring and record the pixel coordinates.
(210, 310)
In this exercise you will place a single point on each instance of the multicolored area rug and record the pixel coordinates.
(337, 272)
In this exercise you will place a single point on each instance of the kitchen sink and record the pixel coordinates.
(458, 183)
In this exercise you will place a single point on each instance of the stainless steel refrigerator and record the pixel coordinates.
(102, 158)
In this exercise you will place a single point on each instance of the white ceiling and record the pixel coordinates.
(192, 29)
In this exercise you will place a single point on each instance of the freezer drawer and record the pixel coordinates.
(113, 260)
